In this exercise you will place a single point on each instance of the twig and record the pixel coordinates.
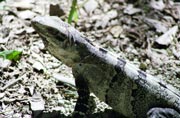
(64, 79)
(12, 82)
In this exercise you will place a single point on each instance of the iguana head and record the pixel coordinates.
(49, 27)
(55, 35)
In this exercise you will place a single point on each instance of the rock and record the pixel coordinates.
(90, 6)
(103, 22)
(112, 14)
(38, 66)
(157, 4)
(116, 31)
(22, 4)
(130, 10)
(4, 63)
(59, 108)
(64, 79)
(29, 30)
(106, 7)
(35, 49)
(61, 101)
(37, 102)
(160, 27)
(26, 14)
(82, 12)
(3, 40)
(167, 37)
(174, 10)
(2, 95)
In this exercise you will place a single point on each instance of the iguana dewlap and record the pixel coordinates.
(128, 90)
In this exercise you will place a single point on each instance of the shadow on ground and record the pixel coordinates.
(56, 114)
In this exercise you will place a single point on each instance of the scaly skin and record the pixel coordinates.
(128, 90)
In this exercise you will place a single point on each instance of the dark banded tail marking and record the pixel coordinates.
(142, 74)
(163, 85)
(103, 50)
(121, 63)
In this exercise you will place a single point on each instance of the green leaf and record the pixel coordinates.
(12, 55)
(73, 15)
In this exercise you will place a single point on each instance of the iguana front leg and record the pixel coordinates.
(85, 104)
(85, 74)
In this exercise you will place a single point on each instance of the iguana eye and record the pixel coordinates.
(80, 64)
(52, 31)
(61, 37)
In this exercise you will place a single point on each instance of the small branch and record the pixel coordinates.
(12, 82)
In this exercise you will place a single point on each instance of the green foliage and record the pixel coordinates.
(12, 55)
(73, 15)
(2, 0)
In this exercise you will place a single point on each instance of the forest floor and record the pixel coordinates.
(145, 33)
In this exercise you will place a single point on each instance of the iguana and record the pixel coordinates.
(128, 90)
